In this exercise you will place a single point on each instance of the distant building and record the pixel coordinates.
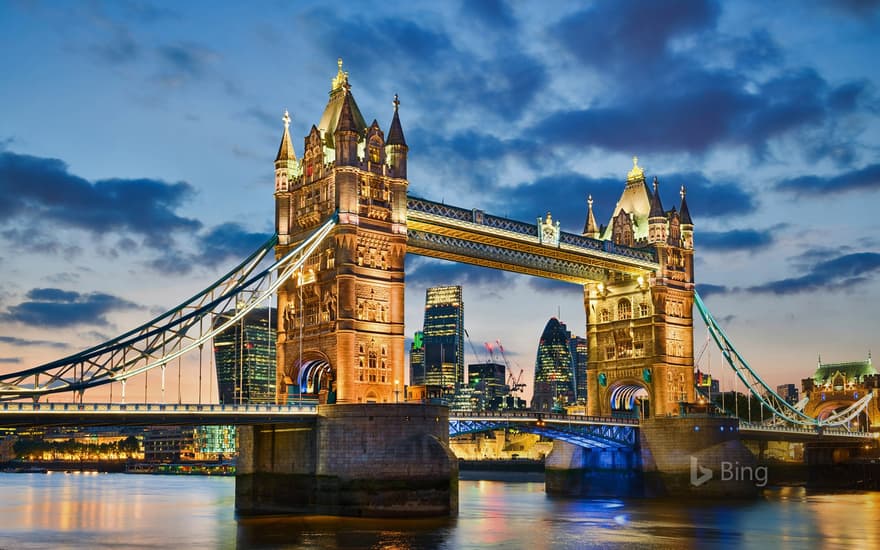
(245, 357)
(444, 337)
(579, 348)
(214, 442)
(706, 383)
(487, 384)
(417, 360)
(789, 392)
(169, 444)
(554, 376)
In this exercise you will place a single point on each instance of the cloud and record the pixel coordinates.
(228, 240)
(21, 342)
(750, 240)
(36, 188)
(862, 179)
(841, 273)
(495, 14)
(56, 308)
(217, 246)
(619, 36)
(565, 196)
(861, 9)
(430, 272)
(705, 290)
(497, 84)
(184, 62)
(119, 49)
(687, 89)
(10, 360)
(552, 285)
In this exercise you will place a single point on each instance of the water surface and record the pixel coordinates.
(80, 511)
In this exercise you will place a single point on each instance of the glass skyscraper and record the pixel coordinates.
(444, 338)
(417, 360)
(554, 375)
(579, 349)
(245, 357)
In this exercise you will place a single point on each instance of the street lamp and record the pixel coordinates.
(396, 391)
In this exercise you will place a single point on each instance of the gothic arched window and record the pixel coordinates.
(624, 309)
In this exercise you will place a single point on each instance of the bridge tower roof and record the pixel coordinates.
(339, 91)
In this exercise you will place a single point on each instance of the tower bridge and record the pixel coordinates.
(344, 221)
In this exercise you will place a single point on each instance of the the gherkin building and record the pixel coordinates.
(554, 379)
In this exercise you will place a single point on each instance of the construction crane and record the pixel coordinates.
(515, 383)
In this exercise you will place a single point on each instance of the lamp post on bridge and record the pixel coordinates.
(396, 391)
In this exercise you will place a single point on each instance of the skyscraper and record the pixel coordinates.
(417, 360)
(245, 357)
(554, 376)
(444, 337)
(579, 348)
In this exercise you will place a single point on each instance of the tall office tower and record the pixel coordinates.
(579, 349)
(554, 378)
(444, 337)
(245, 357)
(417, 360)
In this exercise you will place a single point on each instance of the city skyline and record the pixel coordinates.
(136, 154)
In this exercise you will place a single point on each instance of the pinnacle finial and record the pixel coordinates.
(637, 172)
(682, 192)
(396, 102)
(590, 201)
(655, 184)
(341, 78)
(286, 119)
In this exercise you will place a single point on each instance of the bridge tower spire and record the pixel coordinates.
(640, 326)
(340, 331)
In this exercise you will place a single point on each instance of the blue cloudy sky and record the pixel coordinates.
(137, 139)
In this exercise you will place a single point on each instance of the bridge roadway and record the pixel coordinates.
(590, 431)
(20, 414)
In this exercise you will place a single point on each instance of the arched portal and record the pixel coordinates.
(630, 399)
(860, 422)
(313, 377)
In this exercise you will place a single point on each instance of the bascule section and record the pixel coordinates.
(640, 325)
(340, 331)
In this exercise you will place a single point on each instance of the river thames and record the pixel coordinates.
(82, 510)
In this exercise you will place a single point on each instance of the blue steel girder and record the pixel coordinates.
(472, 236)
(593, 436)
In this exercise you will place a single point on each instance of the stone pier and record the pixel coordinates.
(690, 456)
(379, 460)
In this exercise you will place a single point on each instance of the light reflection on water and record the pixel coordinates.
(144, 511)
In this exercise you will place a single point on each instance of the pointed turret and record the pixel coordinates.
(685, 213)
(657, 227)
(346, 133)
(285, 160)
(687, 226)
(590, 228)
(395, 132)
(396, 147)
(656, 204)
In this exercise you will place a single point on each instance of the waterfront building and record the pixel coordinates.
(789, 392)
(836, 386)
(444, 338)
(213, 443)
(554, 376)
(417, 360)
(245, 358)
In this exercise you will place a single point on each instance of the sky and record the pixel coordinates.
(137, 142)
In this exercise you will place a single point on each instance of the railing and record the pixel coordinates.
(479, 217)
(305, 407)
(552, 417)
(782, 428)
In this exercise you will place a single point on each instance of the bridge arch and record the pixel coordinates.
(313, 375)
(827, 408)
(629, 397)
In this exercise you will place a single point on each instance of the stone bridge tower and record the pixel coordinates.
(340, 321)
(640, 327)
